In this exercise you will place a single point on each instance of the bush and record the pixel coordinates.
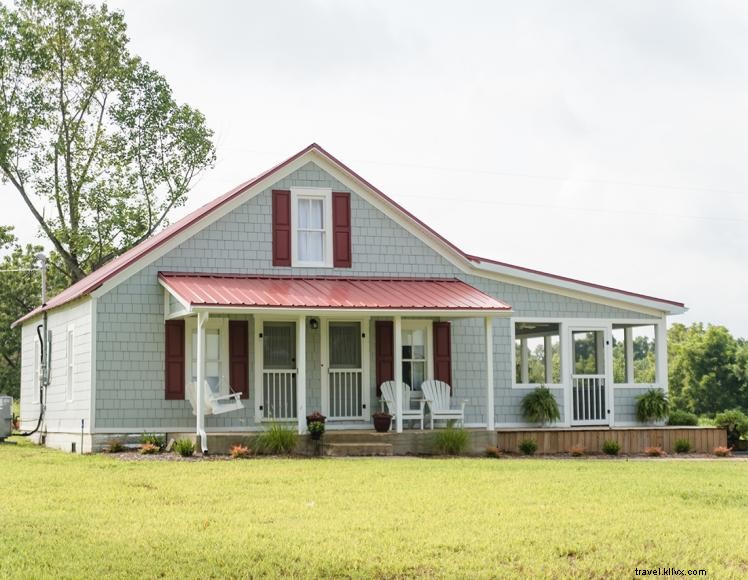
(682, 446)
(152, 439)
(184, 447)
(736, 423)
(540, 406)
(115, 446)
(149, 449)
(451, 441)
(277, 440)
(577, 450)
(653, 451)
(528, 446)
(683, 418)
(722, 451)
(611, 447)
(239, 451)
(651, 406)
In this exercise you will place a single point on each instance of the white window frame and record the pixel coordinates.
(325, 194)
(220, 324)
(69, 363)
(427, 326)
(516, 384)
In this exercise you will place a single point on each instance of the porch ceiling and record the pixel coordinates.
(228, 291)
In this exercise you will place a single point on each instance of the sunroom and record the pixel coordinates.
(339, 369)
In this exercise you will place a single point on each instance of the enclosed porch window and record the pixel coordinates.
(537, 353)
(634, 354)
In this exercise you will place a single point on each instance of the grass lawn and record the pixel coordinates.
(93, 516)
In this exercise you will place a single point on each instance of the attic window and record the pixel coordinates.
(311, 216)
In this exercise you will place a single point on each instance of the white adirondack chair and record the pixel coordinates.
(389, 392)
(439, 400)
(213, 401)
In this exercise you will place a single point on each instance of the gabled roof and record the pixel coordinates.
(328, 292)
(140, 252)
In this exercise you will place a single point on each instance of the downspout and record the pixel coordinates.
(202, 318)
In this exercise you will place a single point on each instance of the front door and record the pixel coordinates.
(277, 400)
(344, 396)
(591, 393)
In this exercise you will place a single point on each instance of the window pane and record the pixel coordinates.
(536, 336)
(212, 345)
(279, 345)
(345, 345)
(311, 246)
(316, 211)
(587, 359)
(304, 213)
(418, 374)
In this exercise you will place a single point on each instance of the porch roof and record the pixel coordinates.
(227, 291)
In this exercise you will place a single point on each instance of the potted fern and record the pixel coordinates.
(652, 406)
(540, 406)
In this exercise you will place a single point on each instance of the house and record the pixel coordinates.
(307, 287)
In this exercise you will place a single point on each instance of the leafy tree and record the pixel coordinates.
(20, 291)
(91, 136)
(708, 369)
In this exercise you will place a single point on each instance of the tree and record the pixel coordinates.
(20, 291)
(91, 137)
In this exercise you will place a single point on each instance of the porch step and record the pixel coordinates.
(357, 449)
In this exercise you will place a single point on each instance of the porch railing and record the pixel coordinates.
(279, 394)
(346, 394)
(588, 400)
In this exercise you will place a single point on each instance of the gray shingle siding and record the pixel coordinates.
(130, 324)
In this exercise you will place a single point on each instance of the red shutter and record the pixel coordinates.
(385, 352)
(443, 352)
(341, 229)
(174, 359)
(239, 357)
(281, 228)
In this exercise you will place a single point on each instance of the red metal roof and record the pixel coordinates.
(111, 269)
(328, 292)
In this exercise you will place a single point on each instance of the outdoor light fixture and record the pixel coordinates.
(313, 323)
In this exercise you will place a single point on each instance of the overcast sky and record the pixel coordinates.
(605, 141)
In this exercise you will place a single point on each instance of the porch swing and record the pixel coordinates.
(214, 403)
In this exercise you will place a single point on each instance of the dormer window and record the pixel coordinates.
(311, 216)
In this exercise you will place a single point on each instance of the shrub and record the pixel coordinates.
(115, 446)
(493, 452)
(240, 451)
(684, 418)
(451, 441)
(736, 423)
(682, 446)
(528, 446)
(184, 447)
(722, 451)
(540, 406)
(653, 451)
(153, 439)
(277, 440)
(651, 406)
(577, 450)
(149, 449)
(611, 447)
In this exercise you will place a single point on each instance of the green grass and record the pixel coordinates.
(92, 516)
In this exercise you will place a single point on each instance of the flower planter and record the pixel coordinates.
(316, 416)
(382, 423)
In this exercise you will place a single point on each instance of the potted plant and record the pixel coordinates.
(540, 406)
(651, 406)
(315, 417)
(382, 421)
(316, 430)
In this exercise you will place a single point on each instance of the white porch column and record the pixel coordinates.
(490, 410)
(628, 340)
(301, 373)
(398, 336)
(548, 352)
(600, 352)
(567, 368)
(202, 318)
(523, 364)
(661, 375)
